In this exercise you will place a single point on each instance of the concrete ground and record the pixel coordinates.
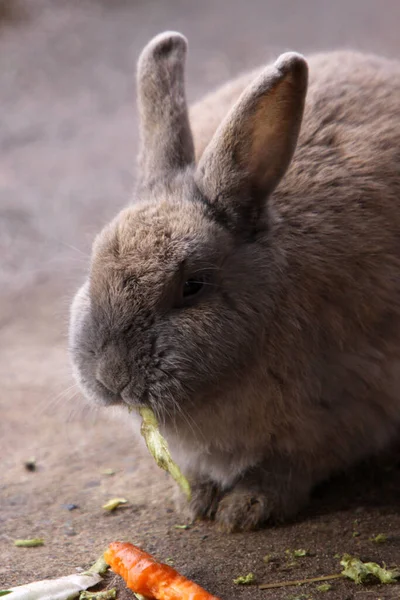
(67, 153)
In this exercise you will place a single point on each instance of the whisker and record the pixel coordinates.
(62, 395)
(70, 246)
(82, 412)
(193, 426)
(209, 268)
(185, 416)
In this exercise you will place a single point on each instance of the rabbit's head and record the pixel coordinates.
(179, 293)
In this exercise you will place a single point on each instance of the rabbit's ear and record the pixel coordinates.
(166, 138)
(253, 146)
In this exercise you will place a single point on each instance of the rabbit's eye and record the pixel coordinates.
(192, 287)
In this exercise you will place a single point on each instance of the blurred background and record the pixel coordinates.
(67, 96)
(68, 140)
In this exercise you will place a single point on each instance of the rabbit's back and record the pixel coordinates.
(346, 90)
(338, 207)
(351, 119)
(340, 199)
(337, 227)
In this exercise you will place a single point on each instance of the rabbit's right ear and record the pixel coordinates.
(253, 146)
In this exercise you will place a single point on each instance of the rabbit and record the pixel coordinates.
(250, 294)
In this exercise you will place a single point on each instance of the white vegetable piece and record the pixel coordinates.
(64, 588)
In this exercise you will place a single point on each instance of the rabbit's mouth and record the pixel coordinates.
(126, 397)
(96, 392)
(133, 400)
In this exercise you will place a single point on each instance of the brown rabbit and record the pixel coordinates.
(251, 294)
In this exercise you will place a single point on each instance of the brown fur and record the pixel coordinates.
(286, 366)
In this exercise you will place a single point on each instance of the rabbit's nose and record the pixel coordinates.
(112, 373)
(113, 382)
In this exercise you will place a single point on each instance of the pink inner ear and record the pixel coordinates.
(253, 146)
(274, 128)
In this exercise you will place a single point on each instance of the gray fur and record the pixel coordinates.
(166, 139)
(251, 150)
(286, 368)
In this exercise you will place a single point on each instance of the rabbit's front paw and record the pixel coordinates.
(269, 493)
(242, 510)
(204, 500)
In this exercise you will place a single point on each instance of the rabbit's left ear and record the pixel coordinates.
(166, 138)
(252, 148)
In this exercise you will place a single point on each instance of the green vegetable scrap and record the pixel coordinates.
(381, 538)
(325, 587)
(366, 573)
(300, 553)
(158, 448)
(100, 567)
(109, 472)
(267, 558)
(31, 543)
(114, 503)
(245, 579)
(106, 595)
(182, 526)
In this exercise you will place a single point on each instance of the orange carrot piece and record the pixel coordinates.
(144, 575)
